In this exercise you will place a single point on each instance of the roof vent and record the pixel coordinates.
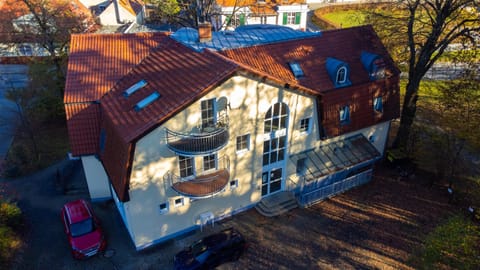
(132, 89)
(146, 101)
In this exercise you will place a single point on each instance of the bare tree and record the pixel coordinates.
(426, 28)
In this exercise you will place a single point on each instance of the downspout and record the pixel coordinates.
(117, 11)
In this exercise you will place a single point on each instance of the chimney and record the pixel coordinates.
(204, 32)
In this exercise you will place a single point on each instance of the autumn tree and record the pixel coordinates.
(48, 23)
(417, 33)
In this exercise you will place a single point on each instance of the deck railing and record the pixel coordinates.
(203, 140)
(202, 185)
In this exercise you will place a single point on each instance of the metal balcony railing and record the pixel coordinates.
(202, 185)
(207, 138)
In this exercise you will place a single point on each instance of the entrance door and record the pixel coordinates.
(271, 181)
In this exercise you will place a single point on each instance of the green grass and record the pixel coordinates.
(454, 244)
(347, 18)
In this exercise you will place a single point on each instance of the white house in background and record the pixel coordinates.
(181, 132)
(116, 12)
(234, 13)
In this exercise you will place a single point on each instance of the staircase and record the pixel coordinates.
(277, 204)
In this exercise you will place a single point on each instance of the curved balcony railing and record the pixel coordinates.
(204, 140)
(204, 185)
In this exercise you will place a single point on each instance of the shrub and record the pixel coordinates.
(9, 244)
(10, 215)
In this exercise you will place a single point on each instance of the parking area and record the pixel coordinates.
(375, 226)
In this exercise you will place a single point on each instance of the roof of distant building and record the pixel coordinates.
(243, 36)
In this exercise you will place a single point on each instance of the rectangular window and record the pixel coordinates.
(345, 115)
(243, 143)
(289, 18)
(163, 207)
(209, 162)
(178, 202)
(186, 166)
(208, 119)
(296, 69)
(378, 104)
(305, 125)
(233, 184)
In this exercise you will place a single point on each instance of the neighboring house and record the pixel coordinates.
(182, 133)
(116, 12)
(234, 13)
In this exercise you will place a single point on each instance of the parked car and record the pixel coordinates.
(83, 229)
(211, 251)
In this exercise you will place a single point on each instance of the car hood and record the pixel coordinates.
(185, 258)
(86, 241)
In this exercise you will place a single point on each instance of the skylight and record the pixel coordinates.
(296, 69)
(132, 89)
(146, 101)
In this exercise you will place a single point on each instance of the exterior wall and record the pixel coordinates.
(248, 100)
(303, 9)
(276, 20)
(108, 16)
(97, 179)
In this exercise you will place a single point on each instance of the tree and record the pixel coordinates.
(426, 29)
(46, 22)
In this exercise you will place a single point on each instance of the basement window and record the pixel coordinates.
(178, 202)
(163, 207)
(147, 101)
(233, 184)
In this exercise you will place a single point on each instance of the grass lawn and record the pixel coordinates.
(347, 18)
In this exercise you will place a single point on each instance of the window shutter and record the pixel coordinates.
(298, 16)
(242, 19)
(285, 16)
(228, 20)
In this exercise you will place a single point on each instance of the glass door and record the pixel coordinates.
(271, 181)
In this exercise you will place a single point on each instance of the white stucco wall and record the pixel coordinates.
(249, 100)
(107, 17)
(97, 179)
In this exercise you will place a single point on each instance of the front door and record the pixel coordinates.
(271, 181)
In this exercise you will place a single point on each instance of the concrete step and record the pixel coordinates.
(277, 204)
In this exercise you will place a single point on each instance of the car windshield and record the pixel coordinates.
(82, 227)
(198, 248)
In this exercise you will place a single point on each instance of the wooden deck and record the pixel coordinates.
(204, 185)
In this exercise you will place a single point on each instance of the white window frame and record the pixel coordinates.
(233, 184)
(247, 148)
(179, 204)
(180, 166)
(291, 17)
(342, 75)
(302, 128)
(345, 118)
(214, 162)
(163, 210)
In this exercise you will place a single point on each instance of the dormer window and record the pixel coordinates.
(374, 64)
(341, 75)
(296, 69)
(338, 72)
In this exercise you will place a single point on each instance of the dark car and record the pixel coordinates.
(211, 251)
(83, 229)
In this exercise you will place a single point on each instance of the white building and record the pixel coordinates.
(181, 132)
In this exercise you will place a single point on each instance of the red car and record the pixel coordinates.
(83, 229)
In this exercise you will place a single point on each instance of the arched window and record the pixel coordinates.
(341, 75)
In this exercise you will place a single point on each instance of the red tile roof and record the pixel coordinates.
(165, 71)
(96, 63)
(102, 67)
(311, 53)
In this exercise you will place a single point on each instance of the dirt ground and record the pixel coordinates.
(375, 226)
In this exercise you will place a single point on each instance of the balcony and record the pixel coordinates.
(204, 185)
(203, 140)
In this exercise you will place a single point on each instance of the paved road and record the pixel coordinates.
(10, 76)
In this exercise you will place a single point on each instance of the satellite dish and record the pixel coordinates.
(222, 103)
